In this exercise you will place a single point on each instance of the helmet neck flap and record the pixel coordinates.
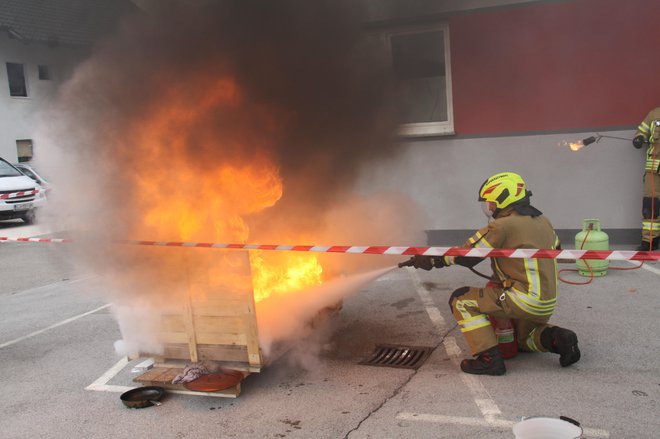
(522, 207)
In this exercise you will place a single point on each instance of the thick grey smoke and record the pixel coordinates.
(303, 308)
(292, 84)
(291, 93)
(310, 83)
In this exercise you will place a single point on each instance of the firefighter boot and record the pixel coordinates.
(488, 362)
(645, 246)
(563, 342)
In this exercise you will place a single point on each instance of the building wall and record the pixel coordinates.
(555, 66)
(18, 115)
(603, 180)
(526, 78)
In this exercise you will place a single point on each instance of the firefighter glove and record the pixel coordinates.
(638, 141)
(428, 262)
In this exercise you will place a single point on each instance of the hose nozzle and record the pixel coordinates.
(589, 140)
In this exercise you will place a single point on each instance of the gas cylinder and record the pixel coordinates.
(592, 238)
(506, 336)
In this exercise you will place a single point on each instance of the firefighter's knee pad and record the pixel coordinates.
(650, 205)
(456, 294)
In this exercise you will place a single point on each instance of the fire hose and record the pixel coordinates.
(523, 253)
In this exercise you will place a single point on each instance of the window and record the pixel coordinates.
(420, 60)
(24, 150)
(44, 74)
(16, 77)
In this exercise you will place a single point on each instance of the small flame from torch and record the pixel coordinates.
(576, 146)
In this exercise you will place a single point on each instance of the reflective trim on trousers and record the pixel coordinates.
(652, 165)
(475, 322)
(530, 342)
(462, 305)
(531, 305)
(650, 226)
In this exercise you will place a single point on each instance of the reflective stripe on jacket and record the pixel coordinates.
(650, 130)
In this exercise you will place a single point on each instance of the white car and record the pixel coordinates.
(34, 175)
(20, 196)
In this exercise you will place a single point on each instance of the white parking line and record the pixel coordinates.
(490, 411)
(646, 267)
(481, 397)
(108, 375)
(63, 322)
(101, 384)
(456, 420)
(55, 285)
(478, 422)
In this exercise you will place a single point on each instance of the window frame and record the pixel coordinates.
(43, 68)
(422, 129)
(25, 80)
(27, 144)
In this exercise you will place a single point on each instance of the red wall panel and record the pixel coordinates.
(555, 66)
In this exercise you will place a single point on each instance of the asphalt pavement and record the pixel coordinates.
(61, 378)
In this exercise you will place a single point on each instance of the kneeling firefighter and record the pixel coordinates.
(527, 288)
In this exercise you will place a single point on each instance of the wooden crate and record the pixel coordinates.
(223, 330)
(216, 320)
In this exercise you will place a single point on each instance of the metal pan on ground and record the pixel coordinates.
(142, 397)
(215, 381)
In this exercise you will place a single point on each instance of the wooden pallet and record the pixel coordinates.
(162, 376)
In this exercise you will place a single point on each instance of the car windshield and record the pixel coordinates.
(7, 170)
(28, 172)
(32, 173)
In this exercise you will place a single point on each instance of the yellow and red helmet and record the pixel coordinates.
(503, 189)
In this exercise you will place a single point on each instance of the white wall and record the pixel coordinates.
(18, 115)
(603, 180)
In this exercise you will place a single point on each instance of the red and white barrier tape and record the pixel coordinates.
(527, 253)
(51, 240)
(19, 194)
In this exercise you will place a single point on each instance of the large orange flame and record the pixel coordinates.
(181, 198)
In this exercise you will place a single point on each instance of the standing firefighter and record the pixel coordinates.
(527, 290)
(649, 132)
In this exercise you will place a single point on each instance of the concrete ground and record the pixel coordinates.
(57, 335)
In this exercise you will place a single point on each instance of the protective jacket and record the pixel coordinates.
(529, 286)
(529, 283)
(650, 130)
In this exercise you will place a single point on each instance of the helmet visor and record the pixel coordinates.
(485, 207)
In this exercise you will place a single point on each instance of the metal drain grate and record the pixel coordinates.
(405, 357)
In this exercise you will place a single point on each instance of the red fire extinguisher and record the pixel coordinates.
(507, 340)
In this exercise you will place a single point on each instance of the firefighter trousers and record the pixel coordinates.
(651, 206)
(471, 307)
